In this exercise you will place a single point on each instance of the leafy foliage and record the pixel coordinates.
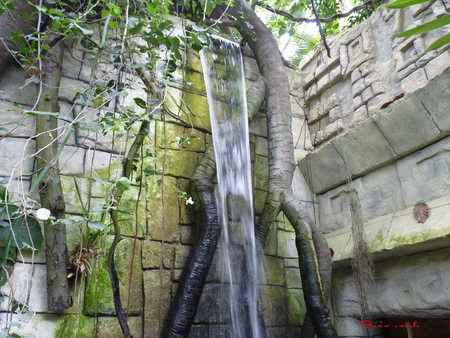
(424, 28)
(18, 229)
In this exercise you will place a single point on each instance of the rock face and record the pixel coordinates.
(378, 117)
(158, 227)
(392, 159)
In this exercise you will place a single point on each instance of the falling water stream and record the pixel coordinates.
(225, 87)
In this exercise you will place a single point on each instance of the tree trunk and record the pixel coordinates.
(280, 197)
(50, 189)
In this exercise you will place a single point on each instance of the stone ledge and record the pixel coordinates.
(396, 234)
(409, 124)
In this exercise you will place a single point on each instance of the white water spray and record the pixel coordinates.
(225, 87)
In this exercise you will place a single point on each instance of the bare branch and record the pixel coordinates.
(322, 20)
(319, 25)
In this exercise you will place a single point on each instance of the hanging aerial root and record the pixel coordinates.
(309, 264)
(184, 307)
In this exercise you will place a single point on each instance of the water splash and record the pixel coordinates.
(225, 86)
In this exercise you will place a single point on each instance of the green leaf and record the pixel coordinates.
(7, 269)
(150, 170)
(115, 10)
(438, 43)
(33, 79)
(37, 112)
(78, 29)
(3, 193)
(27, 232)
(405, 3)
(426, 27)
(123, 184)
(97, 225)
(113, 24)
(26, 16)
(77, 219)
(6, 210)
(136, 29)
(141, 103)
(10, 6)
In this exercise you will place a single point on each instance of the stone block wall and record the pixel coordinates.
(385, 158)
(158, 228)
(368, 68)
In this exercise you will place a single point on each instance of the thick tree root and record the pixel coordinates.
(193, 278)
(311, 275)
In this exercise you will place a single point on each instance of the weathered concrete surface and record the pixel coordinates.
(396, 234)
(368, 69)
(403, 127)
(409, 286)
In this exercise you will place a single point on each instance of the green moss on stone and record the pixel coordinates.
(261, 172)
(76, 326)
(274, 270)
(408, 240)
(198, 113)
(129, 208)
(196, 82)
(105, 174)
(177, 163)
(377, 243)
(162, 225)
(98, 298)
(296, 306)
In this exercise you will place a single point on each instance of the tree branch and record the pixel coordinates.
(319, 25)
(322, 20)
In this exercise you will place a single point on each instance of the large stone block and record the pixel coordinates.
(157, 299)
(407, 125)
(193, 108)
(163, 218)
(102, 164)
(17, 162)
(98, 298)
(293, 279)
(14, 121)
(28, 286)
(380, 192)
(179, 163)
(274, 305)
(400, 291)
(324, 169)
(434, 97)
(260, 172)
(286, 244)
(132, 213)
(71, 161)
(363, 148)
(425, 175)
(273, 270)
(396, 234)
(214, 304)
(11, 82)
(156, 255)
(296, 306)
(108, 327)
(334, 210)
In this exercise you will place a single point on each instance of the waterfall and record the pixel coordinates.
(225, 86)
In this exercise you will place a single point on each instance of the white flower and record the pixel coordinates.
(189, 201)
(43, 214)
